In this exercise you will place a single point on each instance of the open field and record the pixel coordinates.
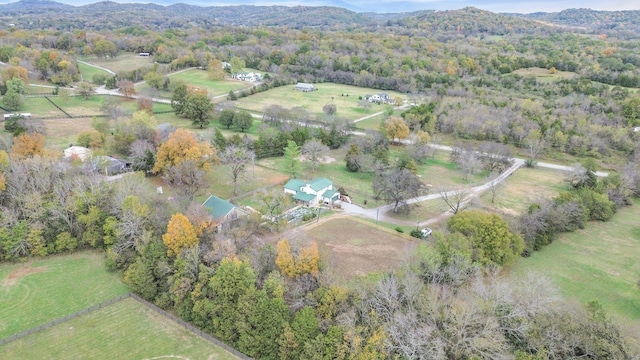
(64, 131)
(599, 262)
(39, 107)
(87, 72)
(198, 78)
(42, 290)
(122, 62)
(353, 247)
(544, 74)
(524, 187)
(124, 330)
(328, 93)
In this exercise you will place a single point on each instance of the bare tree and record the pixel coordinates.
(186, 177)
(142, 155)
(315, 151)
(397, 186)
(494, 185)
(535, 145)
(236, 159)
(495, 156)
(455, 199)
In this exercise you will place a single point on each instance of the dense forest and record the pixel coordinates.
(467, 69)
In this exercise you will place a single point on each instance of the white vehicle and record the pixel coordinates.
(426, 232)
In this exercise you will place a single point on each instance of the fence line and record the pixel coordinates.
(59, 108)
(190, 327)
(63, 319)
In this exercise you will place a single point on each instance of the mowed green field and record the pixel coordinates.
(124, 330)
(328, 93)
(599, 262)
(122, 62)
(88, 71)
(42, 290)
(199, 79)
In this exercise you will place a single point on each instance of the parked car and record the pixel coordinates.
(426, 232)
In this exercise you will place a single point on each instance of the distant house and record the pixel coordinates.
(305, 87)
(248, 76)
(79, 152)
(381, 98)
(317, 191)
(223, 211)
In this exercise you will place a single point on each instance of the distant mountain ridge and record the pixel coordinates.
(163, 14)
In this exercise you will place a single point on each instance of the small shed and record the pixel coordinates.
(223, 211)
(305, 87)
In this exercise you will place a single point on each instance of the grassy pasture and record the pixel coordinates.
(544, 74)
(599, 262)
(124, 330)
(42, 290)
(122, 62)
(524, 187)
(87, 72)
(347, 106)
(352, 247)
(198, 78)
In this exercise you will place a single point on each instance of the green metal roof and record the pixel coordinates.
(304, 197)
(295, 184)
(218, 208)
(330, 194)
(320, 183)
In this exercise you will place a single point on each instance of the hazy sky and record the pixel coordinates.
(412, 5)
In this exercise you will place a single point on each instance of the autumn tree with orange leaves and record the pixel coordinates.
(181, 234)
(27, 145)
(182, 146)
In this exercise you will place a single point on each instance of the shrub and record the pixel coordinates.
(416, 233)
(399, 229)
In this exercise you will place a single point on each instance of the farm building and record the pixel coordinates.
(317, 191)
(305, 87)
(223, 211)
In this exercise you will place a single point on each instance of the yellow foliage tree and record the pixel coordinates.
(181, 146)
(307, 261)
(17, 72)
(27, 145)
(285, 260)
(396, 128)
(180, 234)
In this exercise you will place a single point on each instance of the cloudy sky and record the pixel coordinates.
(517, 6)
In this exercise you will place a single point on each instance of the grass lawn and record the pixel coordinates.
(442, 174)
(122, 62)
(198, 78)
(599, 262)
(347, 106)
(88, 72)
(42, 290)
(124, 330)
(524, 187)
(39, 107)
(352, 247)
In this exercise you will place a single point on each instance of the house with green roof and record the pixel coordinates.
(316, 191)
(223, 211)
